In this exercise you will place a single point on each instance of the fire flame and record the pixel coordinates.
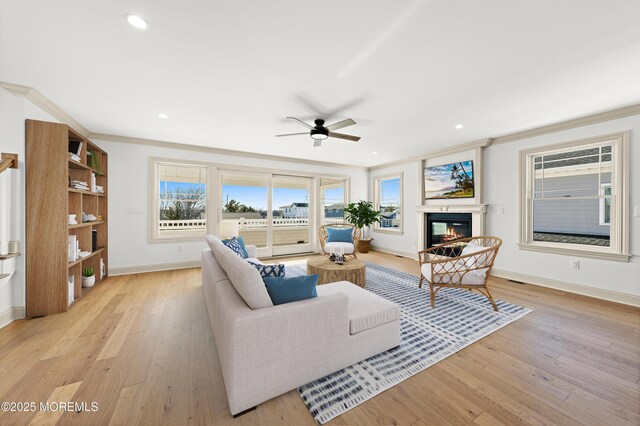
(451, 235)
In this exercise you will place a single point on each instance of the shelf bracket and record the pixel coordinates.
(8, 161)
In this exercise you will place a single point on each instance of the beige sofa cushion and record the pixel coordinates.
(244, 277)
(366, 310)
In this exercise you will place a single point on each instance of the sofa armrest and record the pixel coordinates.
(261, 344)
(252, 251)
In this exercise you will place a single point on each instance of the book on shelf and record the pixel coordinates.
(93, 159)
(71, 290)
(75, 147)
(78, 184)
(73, 248)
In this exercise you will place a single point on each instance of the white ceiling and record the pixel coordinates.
(228, 72)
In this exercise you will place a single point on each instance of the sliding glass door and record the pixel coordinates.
(292, 214)
(272, 212)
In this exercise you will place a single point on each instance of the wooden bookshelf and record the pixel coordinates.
(49, 201)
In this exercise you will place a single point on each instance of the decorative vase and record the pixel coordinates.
(364, 245)
(88, 281)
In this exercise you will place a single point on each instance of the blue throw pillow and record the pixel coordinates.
(269, 270)
(339, 235)
(237, 245)
(291, 289)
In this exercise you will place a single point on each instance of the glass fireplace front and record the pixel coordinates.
(444, 227)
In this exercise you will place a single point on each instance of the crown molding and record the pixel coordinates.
(570, 124)
(219, 151)
(45, 104)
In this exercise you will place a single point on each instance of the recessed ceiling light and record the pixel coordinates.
(163, 116)
(375, 152)
(136, 21)
(459, 126)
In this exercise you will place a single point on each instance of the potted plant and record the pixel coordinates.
(88, 277)
(362, 215)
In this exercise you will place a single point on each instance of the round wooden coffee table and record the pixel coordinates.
(353, 270)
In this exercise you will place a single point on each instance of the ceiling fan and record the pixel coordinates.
(320, 132)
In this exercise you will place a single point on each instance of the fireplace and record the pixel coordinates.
(441, 228)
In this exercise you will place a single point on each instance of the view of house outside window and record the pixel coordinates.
(388, 202)
(572, 196)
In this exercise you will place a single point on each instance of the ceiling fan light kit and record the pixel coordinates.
(320, 132)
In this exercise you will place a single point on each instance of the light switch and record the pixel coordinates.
(132, 210)
(636, 211)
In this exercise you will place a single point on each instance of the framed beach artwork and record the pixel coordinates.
(454, 180)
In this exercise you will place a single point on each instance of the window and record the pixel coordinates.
(332, 200)
(180, 201)
(574, 198)
(388, 201)
(245, 206)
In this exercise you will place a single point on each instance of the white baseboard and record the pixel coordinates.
(138, 269)
(599, 293)
(413, 256)
(12, 314)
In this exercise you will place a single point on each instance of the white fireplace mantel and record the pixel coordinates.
(478, 213)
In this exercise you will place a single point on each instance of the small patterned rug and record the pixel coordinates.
(428, 336)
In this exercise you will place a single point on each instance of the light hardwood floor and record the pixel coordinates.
(141, 347)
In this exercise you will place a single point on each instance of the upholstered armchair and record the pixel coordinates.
(463, 263)
(350, 248)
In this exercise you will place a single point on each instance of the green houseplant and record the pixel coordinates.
(88, 277)
(362, 215)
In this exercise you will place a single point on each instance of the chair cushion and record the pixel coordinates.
(366, 310)
(467, 279)
(237, 245)
(339, 235)
(347, 247)
(474, 261)
(245, 279)
(269, 270)
(291, 289)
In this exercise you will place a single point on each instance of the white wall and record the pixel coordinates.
(14, 110)
(501, 190)
(404, 244)
(129, 247)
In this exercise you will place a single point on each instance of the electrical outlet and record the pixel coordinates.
(180, 247)
(636, 211)
(574, 264)
(501, 210)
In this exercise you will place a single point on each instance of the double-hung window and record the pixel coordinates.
(388, 201)
(179, 201)
(574, 198)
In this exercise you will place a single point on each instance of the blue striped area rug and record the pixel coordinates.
(428, 336)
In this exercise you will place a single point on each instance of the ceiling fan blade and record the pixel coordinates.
(317, 143)
(341, 124)
(301, 122)
(294, 134)
(343, 136)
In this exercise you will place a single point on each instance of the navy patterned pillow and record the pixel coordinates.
(269, 270)
(237, 245)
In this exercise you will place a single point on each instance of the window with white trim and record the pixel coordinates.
(180, 201)
(574, 198)
(388, 201)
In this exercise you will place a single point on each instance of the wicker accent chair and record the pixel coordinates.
(322, 237)
(459, 264)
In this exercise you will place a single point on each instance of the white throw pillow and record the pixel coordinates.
(245, 279)
(477, 261)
